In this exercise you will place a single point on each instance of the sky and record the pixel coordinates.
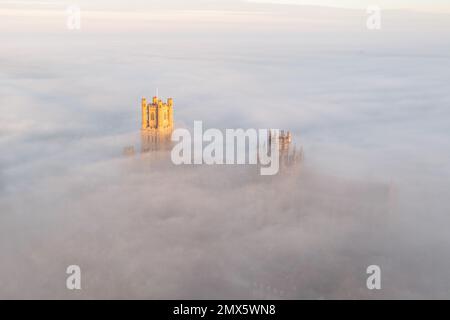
(369, 108)
(437, 6)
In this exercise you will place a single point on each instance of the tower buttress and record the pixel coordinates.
(170, 107)
(144, 113)
(160, 113)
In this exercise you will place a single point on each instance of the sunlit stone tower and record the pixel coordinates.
(157, 115)
(289, 156)
(157, 124)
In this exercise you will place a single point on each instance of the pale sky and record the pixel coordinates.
(419, 5)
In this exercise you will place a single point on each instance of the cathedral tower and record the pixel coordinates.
(157, 115)
(157, 124)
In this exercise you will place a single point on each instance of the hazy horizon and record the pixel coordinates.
(435, 6)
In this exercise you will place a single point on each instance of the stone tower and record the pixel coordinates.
(157, 115)
(289, 156)
(157, 124)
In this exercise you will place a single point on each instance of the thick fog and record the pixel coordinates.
(370, 109)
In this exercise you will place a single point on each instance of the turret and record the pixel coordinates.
(144, 113)
(170, 104)
(160, 116)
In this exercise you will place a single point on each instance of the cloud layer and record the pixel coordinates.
(370, 109)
